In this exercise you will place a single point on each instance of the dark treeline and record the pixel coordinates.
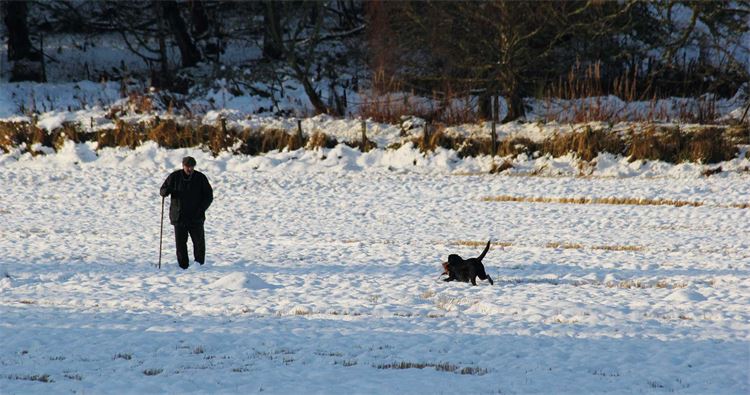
(514, 49)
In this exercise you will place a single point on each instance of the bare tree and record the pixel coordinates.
(25, 60)
(189, 54)
(497, 47)
(297, 31)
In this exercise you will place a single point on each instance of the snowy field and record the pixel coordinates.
(322, 277)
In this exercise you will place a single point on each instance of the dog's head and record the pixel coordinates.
(452, 261)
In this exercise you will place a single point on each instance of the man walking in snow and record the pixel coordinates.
(191, 196)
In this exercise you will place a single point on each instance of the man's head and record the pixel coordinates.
(188, 165)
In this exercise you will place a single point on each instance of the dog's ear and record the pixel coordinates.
(454, 259)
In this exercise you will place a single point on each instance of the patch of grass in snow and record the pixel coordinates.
(474, 243)
(605, 372)
(637, 283)
(153, 372)
(73, 376)
(448, 304)
(565, 246)
(440, 367)
(623, 284)
(43, 378)
(125, 356)
(328, 354)
(346, 362)
(302, 311)
(577, 246)
(588, 200)
(618, 248)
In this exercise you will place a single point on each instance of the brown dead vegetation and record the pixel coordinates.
(586, 200)
(709, 144)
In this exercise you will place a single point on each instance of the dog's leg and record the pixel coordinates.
(473, 280)
(485, 276)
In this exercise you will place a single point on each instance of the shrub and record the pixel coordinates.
(666, 143)
(587, 144)
(669, 144)
(709, 146)
(320, 140)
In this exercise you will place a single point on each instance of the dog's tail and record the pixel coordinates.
(485, 251)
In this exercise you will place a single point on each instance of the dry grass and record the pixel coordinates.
(561, 245)
(167, 133)
(518, 145)
(320, 140)
(440, 367)
(44, 378)
(738, 134)
(670, 144)
(585, 200)
(465, 147)
(586, 144)
(666, 143)
(565, 246)
(618, 248)
(255, 142)
(389, 102)
(153, 372)
(73, 376)
(448, 304)
(710, 144)
(641, 284)
(473, 243)
(501, 167)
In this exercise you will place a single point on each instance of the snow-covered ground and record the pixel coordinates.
(322, 277)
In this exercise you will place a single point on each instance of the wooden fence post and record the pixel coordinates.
(363, 145)
(299, 133)
(493, 111)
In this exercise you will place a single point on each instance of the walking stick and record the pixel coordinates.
(161, 229)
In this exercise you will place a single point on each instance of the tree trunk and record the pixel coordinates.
(188, 51)
(485, 105)
(200, 19)
(315, 100)
(163, 79)
(205, 31)
(26, 62)
(515, 105)
(271, 20)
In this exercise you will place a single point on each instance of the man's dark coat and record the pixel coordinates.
(191, 197)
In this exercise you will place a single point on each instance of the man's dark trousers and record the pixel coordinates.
(199, 243)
